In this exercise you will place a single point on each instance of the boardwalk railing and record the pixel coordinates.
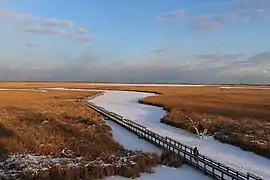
(210, 167)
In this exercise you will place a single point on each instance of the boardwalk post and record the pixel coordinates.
(204, 165)
(191, 157)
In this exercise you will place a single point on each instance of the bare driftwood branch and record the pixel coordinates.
(195, 125)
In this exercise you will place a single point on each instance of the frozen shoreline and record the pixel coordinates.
(126, 104)
(132, 142)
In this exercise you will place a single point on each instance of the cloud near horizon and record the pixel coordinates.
(219, 56)
(219, 70)
(29, 45)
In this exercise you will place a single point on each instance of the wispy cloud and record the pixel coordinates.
(12, 15)
(261, 59)
(172, 16)
(205, 23)
(219, 56)
(216, 20)
(210, 21)
(57, 22)
(238, 4)
(266, 71)
(51, 30)
(35, 24)
(81, 30)
(247, 69)
(42, 29)
(83, 37)
(29, 45)
(251, 3)
(219, 71)
(218, 60)
(160, 50)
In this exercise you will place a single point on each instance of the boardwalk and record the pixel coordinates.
(208, 166)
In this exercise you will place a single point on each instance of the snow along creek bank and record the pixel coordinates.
(132, 142)
(16, 163)
(125, 103)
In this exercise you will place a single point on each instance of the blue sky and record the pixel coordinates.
(152, 41)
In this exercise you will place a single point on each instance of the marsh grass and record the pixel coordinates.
(42, 135)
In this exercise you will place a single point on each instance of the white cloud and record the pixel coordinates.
(219, 56)
(51, 30)
(29, 45)
(83, 37)
(216, 20)
(57, 22)
(160, 50)
(251, 3)
(42, 29)
(172, 16)
(266, 71)
(12, 15)
(35, 24)
(149, 71)
(81, 30)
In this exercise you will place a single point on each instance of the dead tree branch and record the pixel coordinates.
(200, 133)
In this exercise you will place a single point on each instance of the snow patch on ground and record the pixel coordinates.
(116, 84)
(246, 87)
(126, 104)
(15, 165)
(162, 172)
(35, 90)
(132, 142)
